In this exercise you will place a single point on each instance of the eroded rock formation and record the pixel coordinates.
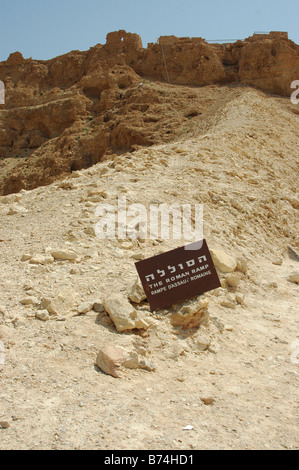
(73, 111)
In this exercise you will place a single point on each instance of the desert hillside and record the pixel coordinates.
(81, 108)
(216, 372)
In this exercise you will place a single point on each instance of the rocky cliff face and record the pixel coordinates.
(75, 110)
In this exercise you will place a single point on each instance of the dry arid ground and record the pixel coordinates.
(234, 377)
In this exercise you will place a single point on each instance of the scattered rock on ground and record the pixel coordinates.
(85, 307)
(65, 255)
(294, 278)
(228, 303)
(208, 400)
(223, 261)
(189, 314)
(232, 279)
(123, 314)
(29, 301)
(42, 315)
(202, 341)
(26, 257)
(10, 198)
(63, 303)
(4, 425)
(16, 209)
(137, 293)
(110, 359)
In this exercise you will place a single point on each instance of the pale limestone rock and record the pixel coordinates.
(278, 261)
(127, 245)
(232, 279)
(137, 293)
(189, 314)
(26, 257)
(41, 259)
(110, 359)
(242, 265)
(11, 198)
(138, 256)
(141, 323)
(131, 359)
(223, 261)
(228, 304)
(95, 198)
(123, 314)
(28, 285)
(202, 341)
(45, 302)
(214, 347)
(97, 192)
(65, 255)
(240, 299)
(85, 307)
(42, 315)
(29, 301)
(38, 268)
(90, 231)
(16, 209)
(146, 365)
(294, 278)
(67, 185)
(63, 303)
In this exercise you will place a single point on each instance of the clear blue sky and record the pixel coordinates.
(43, 29)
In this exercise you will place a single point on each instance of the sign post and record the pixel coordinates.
(178, 275)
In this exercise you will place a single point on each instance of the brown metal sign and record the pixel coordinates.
(178, 275)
